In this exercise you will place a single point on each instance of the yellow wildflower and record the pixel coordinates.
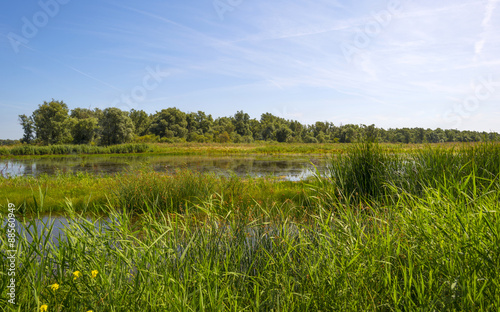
(44, 308)
(77, 274)
(54, 287)
(94, 273)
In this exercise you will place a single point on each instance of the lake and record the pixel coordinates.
(291, 168)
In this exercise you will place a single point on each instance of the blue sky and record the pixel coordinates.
(397, 63)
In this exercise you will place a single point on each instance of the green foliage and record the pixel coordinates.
(84, 131)
(28, 127)
(141, 121)
(224, 137)
(51, 122)
(9, 142)
(172, 125)
(438, 251)
(373, 172)
(199, 125)
(78, 149)
(362, 169)
(169, 123)
(85, 125)
(149, 138)
(116, 127)
(242, 123)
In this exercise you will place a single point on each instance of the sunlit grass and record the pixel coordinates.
(372, 235)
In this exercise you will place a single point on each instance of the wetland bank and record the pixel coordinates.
(378, 228)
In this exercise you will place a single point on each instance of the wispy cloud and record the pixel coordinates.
(485, 24)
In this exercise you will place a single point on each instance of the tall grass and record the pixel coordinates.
(436, 252)
(366, 170)
(148, 191)
(75, 149)
(427, 240)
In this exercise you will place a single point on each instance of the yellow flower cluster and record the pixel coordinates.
(76, 274)
(55, 286)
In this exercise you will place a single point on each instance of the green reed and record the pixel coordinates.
(427, 241)
(366, 170)
(75, 149)
(437, 251)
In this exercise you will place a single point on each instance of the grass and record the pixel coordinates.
(261, 148)
(46, 194)
(368, 170)
(380, 232)
(138, 190)
(34, 150)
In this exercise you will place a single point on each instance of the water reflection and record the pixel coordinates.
(51, 228)
(288, 167)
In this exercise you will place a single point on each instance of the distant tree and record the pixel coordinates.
(199, 123)
(84, 125)
(371, 133)
(28, 127)
(297, 129)
(256, 129)
(82, 113)
(222, 124)
(116, 127)
(141, 121)
(283, 133)
(269, 123)
(204, 122)
(52, 123)
(241, 123)
(84, 131)
(224, 137)
(169, 123)
(9, 142)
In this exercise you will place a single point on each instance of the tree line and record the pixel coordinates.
(54, 123)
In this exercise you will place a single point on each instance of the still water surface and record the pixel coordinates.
(288, 167)
(291, 168)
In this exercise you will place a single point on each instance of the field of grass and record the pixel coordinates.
(382, 231)
(266, 148)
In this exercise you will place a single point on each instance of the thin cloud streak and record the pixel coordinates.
(490, 8)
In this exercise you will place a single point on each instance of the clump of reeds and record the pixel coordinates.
(436, 251)
(366, 170)
(75, 149)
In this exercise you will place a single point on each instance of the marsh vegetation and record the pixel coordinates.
(382, 229)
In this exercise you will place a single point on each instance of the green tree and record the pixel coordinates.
(241, 123)
(85, 125)
(84, 130)
(297, 129)
(221, 125)
(371, 133)
(116, 127)
(52, 123)
(28, 128)
(224, 137)
(283, 133)
(141, 121)
(199, 123)
(169, 123)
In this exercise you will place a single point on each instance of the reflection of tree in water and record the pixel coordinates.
(29, 169)
(11, 169)
(290, 168)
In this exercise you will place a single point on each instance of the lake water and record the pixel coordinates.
(292, 168)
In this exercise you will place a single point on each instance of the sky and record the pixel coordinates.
(396, 63)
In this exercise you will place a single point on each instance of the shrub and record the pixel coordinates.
(4, 151)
